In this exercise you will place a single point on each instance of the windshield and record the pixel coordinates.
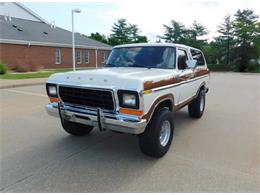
(146, 56)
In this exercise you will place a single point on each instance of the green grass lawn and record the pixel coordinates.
(27, 75)
(42, 74)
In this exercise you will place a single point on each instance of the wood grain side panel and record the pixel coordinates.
(155, 84)
(200, 72)
(151, 85)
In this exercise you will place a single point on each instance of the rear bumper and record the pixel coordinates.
(109, 121)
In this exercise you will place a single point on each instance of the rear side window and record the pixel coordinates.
(197, 55)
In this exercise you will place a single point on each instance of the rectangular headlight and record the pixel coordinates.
(51, 90)
(128, 99)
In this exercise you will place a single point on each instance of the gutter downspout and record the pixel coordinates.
(96, 55)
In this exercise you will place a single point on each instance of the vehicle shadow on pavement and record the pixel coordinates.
(98, 162)
(182, 122)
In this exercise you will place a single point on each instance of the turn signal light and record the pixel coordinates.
(54, 99)
(131, 112)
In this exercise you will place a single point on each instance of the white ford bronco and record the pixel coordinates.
(137, 92)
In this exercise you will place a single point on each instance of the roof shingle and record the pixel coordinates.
(32, 31)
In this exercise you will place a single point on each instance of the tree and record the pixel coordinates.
(246, 32)
(194, 35)
(174, 32)
(98, 37)
(198, 29)
(123, 33)
(212, 52)
(134, 34)
(226, 36)
(119, 33)
(141, 39)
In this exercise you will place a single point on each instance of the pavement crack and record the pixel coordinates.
(16, 182)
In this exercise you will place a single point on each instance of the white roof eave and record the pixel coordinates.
(25, 42)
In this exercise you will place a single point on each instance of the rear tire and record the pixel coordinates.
(76, 129)
(157, 138)
(196, 108)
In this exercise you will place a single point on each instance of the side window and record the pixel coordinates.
(78, 56)
(197, 55)
(87, 60)
(57, 56)
(182, 57)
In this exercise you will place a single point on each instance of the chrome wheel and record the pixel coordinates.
(165, 133)
(202, 102)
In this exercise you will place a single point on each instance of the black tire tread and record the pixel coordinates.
(194, 107)
(148, 141)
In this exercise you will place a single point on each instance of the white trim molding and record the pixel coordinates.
(36, 43)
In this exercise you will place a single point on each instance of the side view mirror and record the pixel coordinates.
(191, 63)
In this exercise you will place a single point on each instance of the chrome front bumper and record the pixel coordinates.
(102, 120)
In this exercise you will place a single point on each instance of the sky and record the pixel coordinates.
(99, 16)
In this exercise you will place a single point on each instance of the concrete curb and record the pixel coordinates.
(21, 85)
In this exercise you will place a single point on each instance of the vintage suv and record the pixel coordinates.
(137, 92)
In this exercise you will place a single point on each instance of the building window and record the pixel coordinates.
(78, 56)
(58, 56)
(103, 57)
(87, 57)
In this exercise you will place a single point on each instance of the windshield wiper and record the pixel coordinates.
(110, 65)
(137, 66)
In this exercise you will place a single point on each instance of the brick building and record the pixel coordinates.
(28, 40)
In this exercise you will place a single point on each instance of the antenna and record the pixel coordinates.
(53, 24)
(6, 18)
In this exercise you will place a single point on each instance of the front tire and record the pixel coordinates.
(196, 108)
(76, 129)
(157, 138)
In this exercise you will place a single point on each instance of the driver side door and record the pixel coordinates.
(184, 75)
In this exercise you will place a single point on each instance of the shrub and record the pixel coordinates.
(254, 68)
(3, 68)
(36, 68)
(22, 68)
(219, 67)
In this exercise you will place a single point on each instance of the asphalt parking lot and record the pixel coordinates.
(218, 153)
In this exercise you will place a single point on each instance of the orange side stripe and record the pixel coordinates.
(54, 99)
(131, 112)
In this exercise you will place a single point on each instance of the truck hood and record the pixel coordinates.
(117, 77)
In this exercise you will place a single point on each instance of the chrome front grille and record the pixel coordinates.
(87, 97)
